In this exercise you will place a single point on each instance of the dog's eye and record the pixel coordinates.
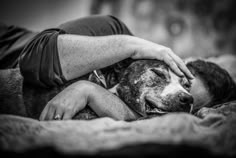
(186, 83)
(158, 73)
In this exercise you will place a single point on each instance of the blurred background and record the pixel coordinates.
(190, 27)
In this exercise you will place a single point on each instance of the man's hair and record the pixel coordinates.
(218, 82)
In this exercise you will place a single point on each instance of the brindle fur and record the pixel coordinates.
(133, 84)
(20, 98)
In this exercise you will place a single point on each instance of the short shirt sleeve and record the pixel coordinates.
(39, 61)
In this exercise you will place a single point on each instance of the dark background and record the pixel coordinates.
(190, 27)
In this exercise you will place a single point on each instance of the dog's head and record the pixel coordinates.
(150, 87)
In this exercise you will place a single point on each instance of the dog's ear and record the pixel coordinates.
(98, 78)
(114, 72)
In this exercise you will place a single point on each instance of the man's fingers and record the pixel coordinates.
(50, 113)
(182, 66)
(68, 115)
(43, 114)
(169, 61)
(59, 112)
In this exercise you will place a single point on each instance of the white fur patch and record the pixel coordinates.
(174, 86)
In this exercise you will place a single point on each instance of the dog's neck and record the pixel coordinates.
(100, 78)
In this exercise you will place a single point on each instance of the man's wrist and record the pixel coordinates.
(125, 44)
(84, 87)
(130, 44)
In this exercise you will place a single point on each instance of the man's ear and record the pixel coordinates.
(114, 89)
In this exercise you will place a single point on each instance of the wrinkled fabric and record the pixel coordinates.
(12, 41)
(39, 61)
(96, 25)
(214, 131)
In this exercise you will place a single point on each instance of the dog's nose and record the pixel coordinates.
(185, 98)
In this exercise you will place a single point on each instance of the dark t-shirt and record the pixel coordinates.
(38, 58)
(39, 61)
(12, 41)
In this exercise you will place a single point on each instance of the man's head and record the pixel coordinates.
(212, 84)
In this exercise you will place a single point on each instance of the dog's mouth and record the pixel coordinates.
(151, 107)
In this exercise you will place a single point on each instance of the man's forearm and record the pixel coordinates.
(106, 104)
(82, 54)
(75, 97)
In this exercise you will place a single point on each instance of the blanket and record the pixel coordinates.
(211, 129)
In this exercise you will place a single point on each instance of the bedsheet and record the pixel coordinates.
(212, 129)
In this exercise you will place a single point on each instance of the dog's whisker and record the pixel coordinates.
(191, 109)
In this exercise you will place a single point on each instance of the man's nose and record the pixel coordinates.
(185, 98)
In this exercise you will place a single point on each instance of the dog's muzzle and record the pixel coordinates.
(184, 101)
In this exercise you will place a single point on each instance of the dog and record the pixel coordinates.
(148, 87)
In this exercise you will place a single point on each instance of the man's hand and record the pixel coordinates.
(67, 103)
(148, 50)
(76, 96)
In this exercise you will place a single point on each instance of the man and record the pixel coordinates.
(212, 85)
(56, 56)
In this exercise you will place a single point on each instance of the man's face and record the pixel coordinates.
(200, 93)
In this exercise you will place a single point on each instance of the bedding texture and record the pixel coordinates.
(211, 129)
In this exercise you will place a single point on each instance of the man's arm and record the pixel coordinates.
(104, 103)
(82, 54)
(76, 96)
(52, 57)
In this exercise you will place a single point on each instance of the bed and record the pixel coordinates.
(211, 132)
